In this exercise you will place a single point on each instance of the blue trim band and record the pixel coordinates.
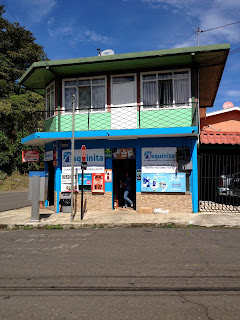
(106, 134)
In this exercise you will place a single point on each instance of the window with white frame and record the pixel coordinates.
(50, 100)
(90, 94)
(165, 89)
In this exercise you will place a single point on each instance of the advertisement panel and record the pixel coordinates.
(95, 159)
(66, 183)
(87, 179)
(98, 183)
(163, 182)
(162, 160)
(30, 156)
(123, 153)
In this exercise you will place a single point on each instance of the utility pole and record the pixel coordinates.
(72, 153)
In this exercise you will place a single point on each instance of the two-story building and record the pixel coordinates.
(135, 113)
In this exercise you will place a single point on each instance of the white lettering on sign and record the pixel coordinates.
(95, 159)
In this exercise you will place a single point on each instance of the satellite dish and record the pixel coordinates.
(107, 52)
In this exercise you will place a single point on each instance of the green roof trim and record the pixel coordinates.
(40, 74)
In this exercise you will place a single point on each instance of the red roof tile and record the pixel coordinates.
(217, 137)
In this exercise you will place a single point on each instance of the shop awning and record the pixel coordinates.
(41, 138)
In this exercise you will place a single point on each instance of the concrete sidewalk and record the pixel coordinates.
(116, 218)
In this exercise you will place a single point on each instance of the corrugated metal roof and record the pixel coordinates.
(216, 137)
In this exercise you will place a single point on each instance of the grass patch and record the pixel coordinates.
(170, 225)
(57, 226)
(15, 182)
(27, 228)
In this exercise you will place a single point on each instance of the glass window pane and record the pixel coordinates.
(69, 97)
(181, 91)
(165, 92)
(167, 75)
(181, 74)
(149, 76)
(84, 82)
(48, 90)
(98, 97)
(123, 79)
(70, 83)
(149, 94)
(98, 81)
(52, 87)
(84, 97)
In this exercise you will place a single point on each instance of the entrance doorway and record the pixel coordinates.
(120, 167)
(51, 176)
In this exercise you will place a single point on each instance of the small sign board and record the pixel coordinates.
(83, 153)
(87, 179)
(123, 153)
(108, 175)
(30, 156)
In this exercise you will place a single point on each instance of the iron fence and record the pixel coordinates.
(119, 117)
(219, 182)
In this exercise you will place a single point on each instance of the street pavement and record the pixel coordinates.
(120, 273)
(13, 200)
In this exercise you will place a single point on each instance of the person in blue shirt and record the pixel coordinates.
(127, 188)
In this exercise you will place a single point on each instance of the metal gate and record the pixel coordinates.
(219, 182)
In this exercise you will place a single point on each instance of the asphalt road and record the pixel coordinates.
(120, 274)
(13, 200)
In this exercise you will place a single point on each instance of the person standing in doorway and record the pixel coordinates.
(127, 188)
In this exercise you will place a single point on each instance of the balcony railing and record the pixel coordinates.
(121, 117)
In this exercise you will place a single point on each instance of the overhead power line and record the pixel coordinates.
(198, 31)
(9, 10)
(226, 25)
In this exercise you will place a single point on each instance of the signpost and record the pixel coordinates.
(83, 167)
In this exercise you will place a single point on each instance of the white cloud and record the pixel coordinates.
(233, 93)
(38, 9)
(207, 14)
(73, 33)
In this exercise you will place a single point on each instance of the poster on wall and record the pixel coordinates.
(87, 179)
(95, 159)
(161, 160)
(48, 155)
(163, 182)
(108, 175)
(66, 183)
(98, 183)
(123, 153)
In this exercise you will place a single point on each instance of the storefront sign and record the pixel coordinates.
(95, 160)
(163, 182)
(30, 156)
(123, 153)
(87, 179)
(98, 183)
(108, 175)
(48, 156)
(159, 160)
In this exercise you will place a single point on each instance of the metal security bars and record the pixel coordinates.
(122, 117)
(219, 182)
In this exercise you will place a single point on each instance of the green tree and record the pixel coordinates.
(18, 51)
(18, 107)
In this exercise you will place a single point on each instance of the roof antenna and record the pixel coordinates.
(99, 52)
(197, 32)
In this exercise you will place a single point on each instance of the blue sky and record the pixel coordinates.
(73, 29)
